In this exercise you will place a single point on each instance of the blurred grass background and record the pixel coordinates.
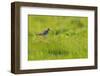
(67, 38)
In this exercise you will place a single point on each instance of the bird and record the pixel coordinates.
(44, 33)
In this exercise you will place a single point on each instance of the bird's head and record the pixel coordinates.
(48, 29)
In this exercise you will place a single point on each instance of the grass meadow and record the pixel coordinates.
(66, 39)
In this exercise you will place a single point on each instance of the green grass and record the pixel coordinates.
(67, 38)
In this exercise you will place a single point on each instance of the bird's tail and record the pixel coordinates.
(38, 34)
